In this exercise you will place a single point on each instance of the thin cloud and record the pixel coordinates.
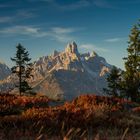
(60, 30)
(66, 7)
(6, 5)
(75, 5)
(82, 4)
(129, 2)
(61, 34)
(25, 14)
(55, 33)
(21, 14)
(78, 4)
(92, 47)
(6, 19)
(112, 40)
(63, 38)
(21, 30)
(102, 4)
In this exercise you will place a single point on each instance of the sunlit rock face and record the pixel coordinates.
(68, 73)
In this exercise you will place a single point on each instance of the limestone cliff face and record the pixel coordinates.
(68, 73)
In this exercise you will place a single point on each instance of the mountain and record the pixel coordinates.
(4, 71)
(67, 74)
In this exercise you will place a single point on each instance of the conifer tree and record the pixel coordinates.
(131, 75)
(113, 80)
(23, 68)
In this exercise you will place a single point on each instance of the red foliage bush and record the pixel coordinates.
(12, 104)
(82, 112)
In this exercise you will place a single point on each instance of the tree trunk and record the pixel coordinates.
(20, 80)
(133, 96)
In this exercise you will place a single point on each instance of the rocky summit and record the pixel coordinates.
(69, 73)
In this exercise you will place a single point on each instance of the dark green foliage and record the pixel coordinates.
(131, 76)
(23, 68)
(127, 83)
(113, 80)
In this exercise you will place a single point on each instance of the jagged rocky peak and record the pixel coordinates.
(93, 54)
(72, 48)
(55, 53)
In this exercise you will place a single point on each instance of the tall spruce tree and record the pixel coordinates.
(22, 69)
(131, 76)
(113, 80)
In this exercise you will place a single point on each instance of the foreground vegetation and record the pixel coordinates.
(100, 118)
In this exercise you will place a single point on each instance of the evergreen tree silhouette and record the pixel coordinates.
(22, 68)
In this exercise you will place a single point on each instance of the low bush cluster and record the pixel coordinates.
(83, 117)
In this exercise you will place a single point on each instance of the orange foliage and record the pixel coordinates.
(12, 103)
(136, 109)
(82, 112)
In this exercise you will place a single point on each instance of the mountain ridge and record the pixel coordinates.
(69, 64)
(4, 71)
(68, 73)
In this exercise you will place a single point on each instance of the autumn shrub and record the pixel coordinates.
(85, 113)
(14, 104)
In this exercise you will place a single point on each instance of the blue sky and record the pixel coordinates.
(46, 25)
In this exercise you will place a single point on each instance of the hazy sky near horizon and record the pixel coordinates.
(46, 25)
